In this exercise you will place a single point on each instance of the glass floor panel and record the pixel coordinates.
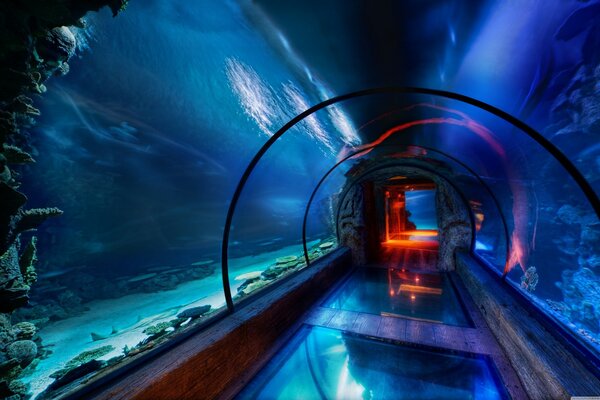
(324, 363)
(399, 292)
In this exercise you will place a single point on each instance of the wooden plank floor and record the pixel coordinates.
(478, 340)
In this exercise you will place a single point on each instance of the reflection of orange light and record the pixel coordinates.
(416, 279)
(396, 178)
(392, 292)
(479, 217)
(412, 297)
(420, 232)
(413, 244)
(420, 289)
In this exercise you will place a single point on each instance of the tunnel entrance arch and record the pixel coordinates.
(358, 153)
(456, 222)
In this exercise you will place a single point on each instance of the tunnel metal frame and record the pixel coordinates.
(572, 170)
(367, 149)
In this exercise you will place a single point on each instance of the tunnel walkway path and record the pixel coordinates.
(476, 340)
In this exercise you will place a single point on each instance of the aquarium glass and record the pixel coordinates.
(327, 363)
(266, 232)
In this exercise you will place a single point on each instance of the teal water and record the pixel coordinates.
(323, 363)
(400, 293)
(132, 314)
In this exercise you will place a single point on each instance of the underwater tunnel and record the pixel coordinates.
(300, 200)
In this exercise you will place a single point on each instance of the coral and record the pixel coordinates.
(12, 201)
(85, 357)
(66, 376)
(252, 286)
(19, 220)
(285, 260)
(15, 155)
(24, 351)
(24, 330)
(14, 292)
(530, 279)
(18, 387)
(157, 329)
(7, 334)
(31, 219)
(581, 300)
(27, 262)
(326, 245)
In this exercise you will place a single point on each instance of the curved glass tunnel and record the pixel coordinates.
(142, 144)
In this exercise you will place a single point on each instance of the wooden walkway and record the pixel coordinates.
(477, 340)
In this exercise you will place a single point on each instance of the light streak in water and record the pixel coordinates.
(270, 111)
(347, 387)
(299, 104)
(254, 95)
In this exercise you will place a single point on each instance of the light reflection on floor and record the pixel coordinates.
(400, 292)
(323, 363)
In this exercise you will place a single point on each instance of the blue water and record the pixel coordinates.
(383, 291)
(142, 147)
(421, 204)
(328, 364)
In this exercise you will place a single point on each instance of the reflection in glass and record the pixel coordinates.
(329, 364)
(401, 293)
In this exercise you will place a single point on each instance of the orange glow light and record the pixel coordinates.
(413, 244)
(420, 289)
(412, 297)
(392, 292)
(420, 232)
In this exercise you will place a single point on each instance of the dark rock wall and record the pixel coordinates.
(454, 225)
(351, 223)
(35, 44)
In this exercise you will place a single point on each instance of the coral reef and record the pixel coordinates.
(80, 366)
(67, 295)
(580, 286)
(282, 266)
(576, 118)
(35, 43)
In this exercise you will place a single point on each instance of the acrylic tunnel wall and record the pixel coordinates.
(515, 189)
(508, 180)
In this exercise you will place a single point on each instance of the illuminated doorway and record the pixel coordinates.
(410, 214)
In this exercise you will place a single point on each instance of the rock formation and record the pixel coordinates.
(35, 44)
